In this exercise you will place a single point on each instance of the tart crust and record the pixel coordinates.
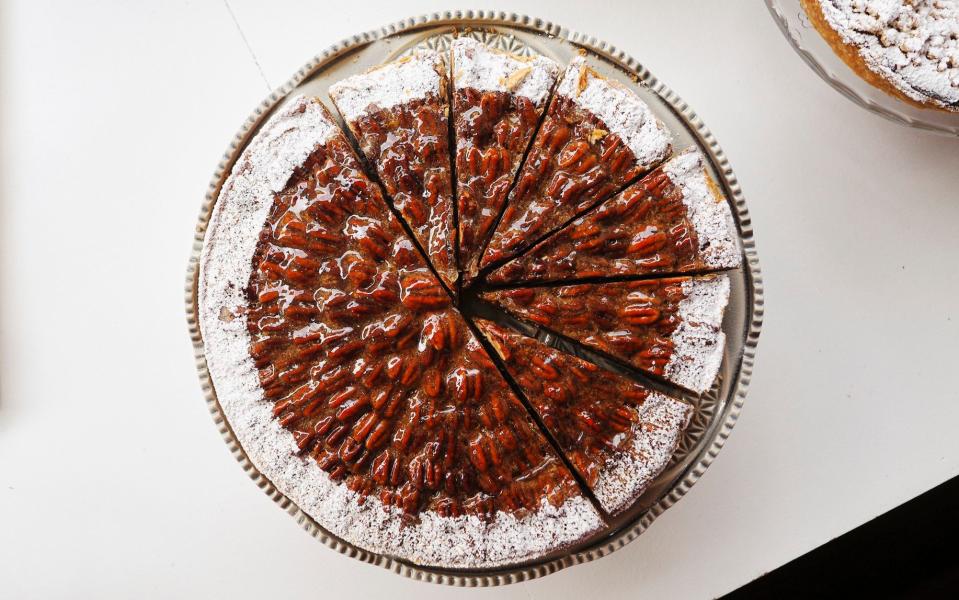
(468, 541)
(617, 433)
(674, 220)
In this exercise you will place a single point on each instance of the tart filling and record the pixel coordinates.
(597, 137)
(671, 328)
(674, 220)
(398, 114)
(498, 99)
(372, 407)
(618, 434)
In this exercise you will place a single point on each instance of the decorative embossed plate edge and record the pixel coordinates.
(716, 414)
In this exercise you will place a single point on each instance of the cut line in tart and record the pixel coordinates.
(597, 137)
(674, 220)
(498, 99)
(617, 433)
(398, 114)
(671, 328)
(350, 380)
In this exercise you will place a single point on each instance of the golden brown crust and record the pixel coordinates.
(850, 55)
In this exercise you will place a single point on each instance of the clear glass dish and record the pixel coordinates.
(816, 52)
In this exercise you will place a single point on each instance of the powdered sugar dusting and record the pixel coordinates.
(699, 340)
(912, 44)
(263, 169)
(626, 476)
(476, 65)
(392, 84)
(623, 112)
(708, 210)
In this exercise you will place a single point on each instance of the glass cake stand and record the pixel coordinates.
(810, 45)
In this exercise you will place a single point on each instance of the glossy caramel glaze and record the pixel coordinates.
(645, 229)
(376, 375)
(589, 411)
(409, 146)
(573, 164)
(632, 321)
(493, 130)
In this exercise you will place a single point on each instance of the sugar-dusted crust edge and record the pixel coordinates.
(489, 69)
(707, 209)
(413, 77)
(624, 477)
(698, 340)
(263, 169)
(851, 55)
(620, 109)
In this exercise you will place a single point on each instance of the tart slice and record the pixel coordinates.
(597, 137)
(618, 434)
(398, 113)
(498, 99)
(674, 220)
(668, 327)
(348, 379)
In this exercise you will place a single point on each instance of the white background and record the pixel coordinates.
(114, 482)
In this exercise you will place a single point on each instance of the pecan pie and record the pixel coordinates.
(347, 360)
(398, 114)
(674, 220)
(498, 99)
(618, 434)
(597, 136)
(668, 327)
(350, 380)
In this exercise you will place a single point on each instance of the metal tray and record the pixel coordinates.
(816, 52)
(716, 412)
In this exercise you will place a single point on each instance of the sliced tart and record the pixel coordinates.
(348, 378)
(668, 327)
(618, 434)
(674, 220)
(498, 99)
(597, 137)
(398, 114)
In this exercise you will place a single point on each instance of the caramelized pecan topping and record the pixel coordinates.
(377, 377)
(409, 146)
(645, 229)
(493, 130)
(569, 169)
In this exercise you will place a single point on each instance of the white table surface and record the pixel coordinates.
(114, 483)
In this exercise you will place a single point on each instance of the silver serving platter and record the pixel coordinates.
(716, 412)
(819, 55)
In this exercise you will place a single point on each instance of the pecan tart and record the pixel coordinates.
(597, 137)
(349, 361)
(617, 433)
(349, 379)
(398, 114)
(498, 99)
(670, 328)
(674, 220)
